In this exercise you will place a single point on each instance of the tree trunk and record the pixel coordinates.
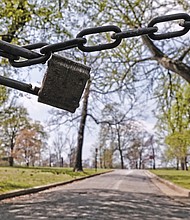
(177, 164)
(154, 164)
(136, 165)
(61, 162)
(119, 147)
(104, 159)
(182, 165)
(121, 158)
(176, 66)
(140, 159)
(154, 160)
(11, 161)
(100, 158)
(78, 159)
(11, 158)
(50, 160)
(186, 166)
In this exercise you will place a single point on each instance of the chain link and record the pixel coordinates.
(8, 55)
(134, 33)
(17, 50)
(36, 58)
(185, 24)
(19, 85)
(97, 30)
(165, 18)
(14, 52)
(63, 45)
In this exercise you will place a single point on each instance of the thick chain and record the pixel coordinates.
(165, 18)
(14, 52)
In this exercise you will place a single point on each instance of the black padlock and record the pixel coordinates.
(63, 83)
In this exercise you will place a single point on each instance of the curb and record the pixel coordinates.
(169, 184)
(37, 189)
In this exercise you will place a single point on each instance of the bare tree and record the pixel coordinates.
(60, 146)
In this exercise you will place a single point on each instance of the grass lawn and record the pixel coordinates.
(179, 177)
(14, 178)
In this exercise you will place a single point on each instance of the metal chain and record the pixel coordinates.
(14, 52)
(96, 31)
(134, 33)
(165, 18)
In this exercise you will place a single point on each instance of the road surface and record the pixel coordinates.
(122, 194)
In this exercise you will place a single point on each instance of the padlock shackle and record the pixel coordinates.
(24, 87)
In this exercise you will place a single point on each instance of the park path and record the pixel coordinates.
(122, 194)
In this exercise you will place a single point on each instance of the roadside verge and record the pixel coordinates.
(173, 190)
(36, 189)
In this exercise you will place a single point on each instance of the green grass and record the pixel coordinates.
(14, 178)
(179, 177)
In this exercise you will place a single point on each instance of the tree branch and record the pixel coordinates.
(184, 54)
(176, 66)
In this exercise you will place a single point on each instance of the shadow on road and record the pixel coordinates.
(93, 204)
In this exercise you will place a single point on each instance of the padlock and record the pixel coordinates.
(63, 83)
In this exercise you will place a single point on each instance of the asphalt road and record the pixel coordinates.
(122, 194)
